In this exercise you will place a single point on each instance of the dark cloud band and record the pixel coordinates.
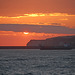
(36, 28)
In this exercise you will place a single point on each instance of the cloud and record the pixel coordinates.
(38, 15)
(40, 19)
(7, 33)
(64, 19)
(36, 28)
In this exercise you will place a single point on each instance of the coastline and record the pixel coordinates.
(19, 47)
(35, 47)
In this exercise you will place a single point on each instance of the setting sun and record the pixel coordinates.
(26, 32)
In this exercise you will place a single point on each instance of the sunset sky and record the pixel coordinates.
(23, 20)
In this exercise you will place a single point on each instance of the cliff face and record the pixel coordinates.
(61, 41)
(56, 41)
(35, 42)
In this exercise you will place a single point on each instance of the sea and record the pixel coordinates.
(37, 62)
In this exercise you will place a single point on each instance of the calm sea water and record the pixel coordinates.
(37, 62)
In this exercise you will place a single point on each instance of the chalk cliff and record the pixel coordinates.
(56, 41)
(35, 42)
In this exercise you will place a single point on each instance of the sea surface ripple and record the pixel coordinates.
(37, 62)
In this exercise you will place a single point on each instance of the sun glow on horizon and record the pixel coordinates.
(26, 33)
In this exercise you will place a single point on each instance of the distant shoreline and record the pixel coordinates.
(19, 47)
(33, 47)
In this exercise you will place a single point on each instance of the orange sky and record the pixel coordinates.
(17, 7)
(10, 38)
(36, 13)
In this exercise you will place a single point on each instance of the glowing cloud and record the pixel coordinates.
(40, 19)
(39, 14)
(35, 14)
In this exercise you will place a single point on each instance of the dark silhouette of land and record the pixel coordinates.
(19, 47)
(56, 43)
